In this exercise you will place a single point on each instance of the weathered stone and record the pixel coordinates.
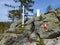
(52, 18)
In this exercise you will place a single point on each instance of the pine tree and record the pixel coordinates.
(18, 13)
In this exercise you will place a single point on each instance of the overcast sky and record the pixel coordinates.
(39, 4)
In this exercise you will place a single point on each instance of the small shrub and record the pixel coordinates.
(41, 42)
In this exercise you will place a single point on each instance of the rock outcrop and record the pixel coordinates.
(51, 19)
(34, 25)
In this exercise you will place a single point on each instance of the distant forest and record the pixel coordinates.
(4, 26)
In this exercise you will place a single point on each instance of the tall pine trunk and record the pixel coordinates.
(13, 19)
(20, 9)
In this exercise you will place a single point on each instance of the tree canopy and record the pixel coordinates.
(13, 14)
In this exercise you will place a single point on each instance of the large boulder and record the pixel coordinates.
(50, 18)
(34, 25)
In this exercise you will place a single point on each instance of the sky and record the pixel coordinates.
(39, 4)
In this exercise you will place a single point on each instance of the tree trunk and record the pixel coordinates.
(13, 19)
(20, 15)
